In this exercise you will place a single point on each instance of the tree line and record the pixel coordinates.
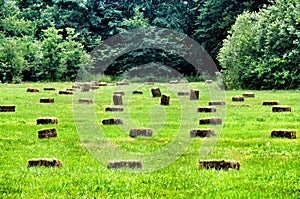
(48, 40)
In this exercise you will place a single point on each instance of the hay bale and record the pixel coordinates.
(281, 108)
(216, 103)
(76, 87)
(149, 83)
(211, 120)
(137, 92)
(174, 82)
(243, 105)
(194, 94)
(49, 89)
(123, 82)
(270, 103)
(47, 120)
(237, 98)
(117, 99)
(85, 101)
(181, 93)
(206, 109)
(102, 84)
(283, 133)
(184, 81)
(156, 92)
(112, 121)
(116, 164)
(134, 132)
(85, 89)
(219, 164)
(47, 162)
(94, 87)
(202, 133)
(249, 95)
(209, 81)
(7, 108)
(165, 100)
(118, 93)
(33, 90)
(47, 100)
(65, 92)
(47, 133)
(70, 89)
(114, 109)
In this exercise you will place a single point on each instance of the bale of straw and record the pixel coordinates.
(94, 87)
(281, 108)
(237, 98)
(113, 109)
(138, 92)
(47, 120)
(47, 100)
(118, 93)
(135, 132)
(209, 81)
(70, 89)
(85, 101)
(33, 90)
(47, 133)
(181, 93)
(270, 103)
(211, 120)
(116, 164)
(216, 103)
(117, 99)
(174, 82)
(85, 89)
(165, 100)
(65, 92)
(202, 133)
(102, 84)
(49, 89)
(219, 164)
(283, 133)
(249, 95)
(206, 109)
(194, 94)
(47, 162)
(243, 105)
(184, 81)
(7, 108)
(156, 92)
(112, 121)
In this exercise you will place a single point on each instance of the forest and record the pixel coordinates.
(255, 44)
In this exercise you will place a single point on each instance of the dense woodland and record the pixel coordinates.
(255, 42)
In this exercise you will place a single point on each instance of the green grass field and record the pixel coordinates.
(269, 166)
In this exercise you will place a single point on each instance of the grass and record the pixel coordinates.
(269, 166)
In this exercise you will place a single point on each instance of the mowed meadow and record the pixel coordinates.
(269, 166)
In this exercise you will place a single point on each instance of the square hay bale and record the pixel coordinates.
(209, 81)
(270, 103)
(216, 103)
(184, 81)
(112, 121)
(135, 132)
(249, 95)
(237, 98)
(65, 92)
(47, 100)
(47, 162)
(123, 82)
(283, 133)
(281, 108)
(202, 133)
(219, 164)
(33, 90)
(102, 84)
(155, 92)
(207, 109)
(47, 133)
(49, 89)
(181, 93)
(116, 164)
(47, 120)
(240, 105)
(85, 101)
(194, 94)
(113, 109)
(211, 120)
(95, 87)
(118, 93)
(174, 82)
(117, 99)
(85, 89)
(7, 108)
(138, 92)
(70, 89)
(165, 100)
(76, 87)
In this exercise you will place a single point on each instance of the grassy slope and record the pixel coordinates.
(270, 166)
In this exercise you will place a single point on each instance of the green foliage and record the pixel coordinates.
(262, 51)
